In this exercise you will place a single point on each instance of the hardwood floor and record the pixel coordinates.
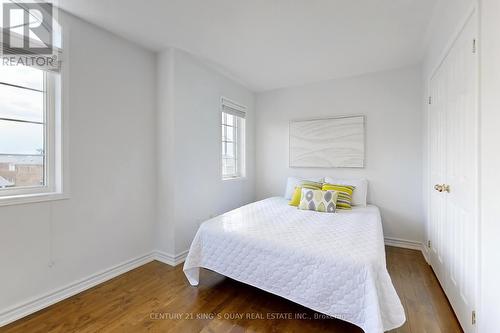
(151, 297)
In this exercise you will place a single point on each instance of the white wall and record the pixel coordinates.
(190, 165)
(110, 215)
(488, 315)
(447, 17)
(391, 102)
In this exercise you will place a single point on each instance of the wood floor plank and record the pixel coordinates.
(157, 298)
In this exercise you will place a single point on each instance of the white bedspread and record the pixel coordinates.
(331, 263)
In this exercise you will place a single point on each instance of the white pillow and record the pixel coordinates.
(360, 192)
(293, 182)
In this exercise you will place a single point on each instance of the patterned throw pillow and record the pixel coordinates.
(298, 191)
(318, 200)
(344, 200)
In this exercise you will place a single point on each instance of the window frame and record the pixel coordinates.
(238, 139)
(53, 160)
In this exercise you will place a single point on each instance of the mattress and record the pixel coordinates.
(331, 263)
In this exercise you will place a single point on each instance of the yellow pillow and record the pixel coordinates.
(344, 198)
(297, 194)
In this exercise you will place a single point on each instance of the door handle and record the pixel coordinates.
(442, 188)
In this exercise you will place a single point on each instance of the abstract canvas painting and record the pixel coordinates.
(328, 143)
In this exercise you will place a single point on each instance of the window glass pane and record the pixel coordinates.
(229, 130)
(21, 143)
(229, 133)
(228, 166)
(24, 76)
(21, 138)
(22, 104)
(18, 171)
(230, 119)
(229, 149)
(224, 167)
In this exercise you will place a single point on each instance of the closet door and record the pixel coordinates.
(454, 174)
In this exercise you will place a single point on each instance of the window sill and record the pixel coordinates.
(32, 198)
(229, 179)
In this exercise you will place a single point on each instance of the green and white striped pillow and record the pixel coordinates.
(344, 200)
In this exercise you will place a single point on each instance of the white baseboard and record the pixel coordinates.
(169, 259)
(36, 304)
(425, 252)
(403, 243)
(21, 310)
(406, 244)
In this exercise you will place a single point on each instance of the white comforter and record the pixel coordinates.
(331, 263)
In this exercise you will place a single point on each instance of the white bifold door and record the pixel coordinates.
(453, 165)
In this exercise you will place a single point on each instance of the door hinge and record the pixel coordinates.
(429, 244)
(473, 317)
(474, 47)
(430, 100)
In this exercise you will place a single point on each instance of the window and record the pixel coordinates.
(27, 131)
(233, 140)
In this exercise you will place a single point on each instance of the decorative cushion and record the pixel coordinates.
(293, 182)
(297, 194)
(318, 200)
(359, 194)
(344, 194)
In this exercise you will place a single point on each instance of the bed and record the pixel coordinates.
(331, 263)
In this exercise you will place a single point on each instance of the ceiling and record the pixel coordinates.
(269, 44)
